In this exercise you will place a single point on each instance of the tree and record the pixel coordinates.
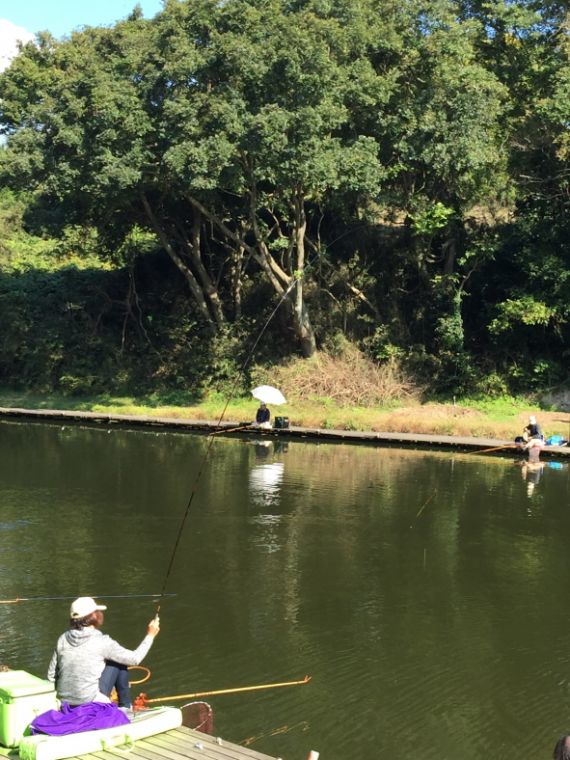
(229, 114)
(80, 115)
(529, 324)
(250, 136)
(260, 133)
(448, 151)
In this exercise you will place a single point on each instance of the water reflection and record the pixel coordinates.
(262, 449)
(531, 473)
(266, 477)
(420, 588)
(265, 482)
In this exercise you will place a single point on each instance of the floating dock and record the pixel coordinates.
(411, 440)
(179, 744)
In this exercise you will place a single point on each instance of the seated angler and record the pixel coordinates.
(87, 664)
(533, 430)
(534, 439)
(263, 416)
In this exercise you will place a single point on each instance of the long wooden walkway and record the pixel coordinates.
(452, 442)
(179, 744)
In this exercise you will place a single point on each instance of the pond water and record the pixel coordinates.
(424, 592)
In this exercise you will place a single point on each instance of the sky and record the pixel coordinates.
(21, 19)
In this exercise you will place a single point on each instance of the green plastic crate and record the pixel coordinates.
(22, 697)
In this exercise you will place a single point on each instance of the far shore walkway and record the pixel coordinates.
(419, 440)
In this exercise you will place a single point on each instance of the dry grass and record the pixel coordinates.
(413, 417)
(350, 379)
(445, 419)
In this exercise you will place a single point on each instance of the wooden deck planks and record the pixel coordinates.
(178, 738)
(179, 744)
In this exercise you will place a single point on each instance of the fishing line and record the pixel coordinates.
(424, 505)
(304, 725)
(290, 287)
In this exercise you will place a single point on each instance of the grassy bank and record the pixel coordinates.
(500, 418)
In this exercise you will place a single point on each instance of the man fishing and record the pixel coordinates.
(87, 664)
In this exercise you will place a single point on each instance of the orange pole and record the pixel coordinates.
(199, 694)
(498, 448)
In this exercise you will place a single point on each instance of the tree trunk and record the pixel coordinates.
(303, 330)
(279, 279)
(301, 322)
(237, 256)
(205, 279)
(188, 275)
(274, 273)
(450, 254)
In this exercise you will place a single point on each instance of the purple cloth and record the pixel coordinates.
(72, 720)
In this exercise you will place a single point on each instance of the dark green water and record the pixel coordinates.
(425, 593)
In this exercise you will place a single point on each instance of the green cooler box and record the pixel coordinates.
(22, 697)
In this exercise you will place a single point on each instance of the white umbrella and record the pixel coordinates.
(268, 395)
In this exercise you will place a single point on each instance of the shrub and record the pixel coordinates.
(349, 378)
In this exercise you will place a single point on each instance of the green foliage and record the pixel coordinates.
(381, 348)
(400, 171)
(491, 385)
(429, 221)
(521, 311)
(224, 360)
(449, 332)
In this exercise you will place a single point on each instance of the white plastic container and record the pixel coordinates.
(22, 698)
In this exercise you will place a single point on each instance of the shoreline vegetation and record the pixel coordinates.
(357, 208)
(499, 418)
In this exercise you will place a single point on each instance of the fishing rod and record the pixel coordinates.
(232, 430)
(211, 440)
(142, 700)
(498, 448)
(99, 596)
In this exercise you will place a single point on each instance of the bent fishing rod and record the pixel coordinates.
(206, 454)
(142, 701)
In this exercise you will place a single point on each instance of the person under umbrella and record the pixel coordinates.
(266, 394)
(263, 416)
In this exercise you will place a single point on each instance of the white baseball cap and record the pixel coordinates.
(84, 606)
